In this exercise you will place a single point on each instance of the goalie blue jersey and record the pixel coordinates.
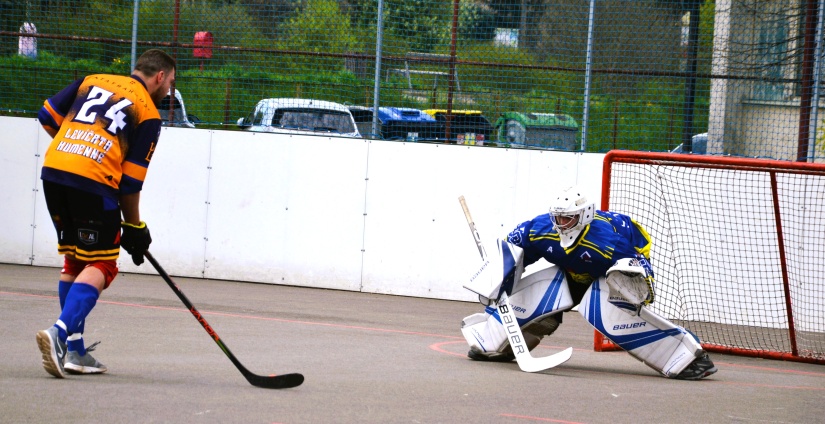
(609, 237)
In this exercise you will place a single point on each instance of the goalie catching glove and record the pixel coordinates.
(135, 240)
(631, 284)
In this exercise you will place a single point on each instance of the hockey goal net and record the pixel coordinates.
(738, 247)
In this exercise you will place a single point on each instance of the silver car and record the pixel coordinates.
(301, 116)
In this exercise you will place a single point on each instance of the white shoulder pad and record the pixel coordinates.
(498, 273)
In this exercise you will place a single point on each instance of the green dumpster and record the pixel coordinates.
(543, 130)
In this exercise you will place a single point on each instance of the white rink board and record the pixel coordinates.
(44, 239)
(19, 173)
(174, 202)
(286, 209)
(417, 241)
(334, 213)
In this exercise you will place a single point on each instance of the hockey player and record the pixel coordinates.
(603, 260)
(104, 129)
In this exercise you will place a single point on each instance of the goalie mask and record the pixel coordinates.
(571, 213)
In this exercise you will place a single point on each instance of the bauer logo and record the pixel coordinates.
(512, 329)
(87, 236)
(629, 326)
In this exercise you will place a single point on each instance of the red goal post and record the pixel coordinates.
(738, 247)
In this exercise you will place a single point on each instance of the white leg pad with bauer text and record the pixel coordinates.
(540, 296)
(648, 337)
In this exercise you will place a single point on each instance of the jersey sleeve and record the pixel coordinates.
(629, 230)
(56, 107)
(520, 237)
(136, 163)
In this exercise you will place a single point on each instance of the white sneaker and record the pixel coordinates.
(86, 364)
(53, 350)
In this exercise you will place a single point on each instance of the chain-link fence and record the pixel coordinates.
(726, 77)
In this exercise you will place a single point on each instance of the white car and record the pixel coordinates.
(699, 145)
(179, 116)
(301, 116)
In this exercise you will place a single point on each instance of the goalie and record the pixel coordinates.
(602, 264)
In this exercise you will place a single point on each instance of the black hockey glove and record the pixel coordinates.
(135, 240)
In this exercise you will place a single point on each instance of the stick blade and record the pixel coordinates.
(283, 381)
(528, 363)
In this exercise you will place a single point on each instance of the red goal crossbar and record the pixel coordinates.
(736, 247)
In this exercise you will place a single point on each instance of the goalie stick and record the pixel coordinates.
(283, 381)
(525, 360)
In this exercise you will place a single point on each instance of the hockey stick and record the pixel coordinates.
(525, 361)
(283, 381)
(473, 229)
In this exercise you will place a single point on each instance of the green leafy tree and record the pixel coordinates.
(11, 17)
(321, 27)
(409, 25)
(268, 15)
(409, 19)
(476, 21)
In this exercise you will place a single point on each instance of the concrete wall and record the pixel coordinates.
(350, 214)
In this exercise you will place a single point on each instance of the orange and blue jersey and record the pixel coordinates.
(609, 237)
(107, 130)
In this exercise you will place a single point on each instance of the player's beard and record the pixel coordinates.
(160, 92)
(157, 96)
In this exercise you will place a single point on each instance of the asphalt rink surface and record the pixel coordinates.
(367, 358)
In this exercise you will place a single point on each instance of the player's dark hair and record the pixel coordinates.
(153, 61)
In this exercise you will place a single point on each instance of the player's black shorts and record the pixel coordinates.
(87, 225)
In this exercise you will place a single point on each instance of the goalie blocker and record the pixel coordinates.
(614, 305)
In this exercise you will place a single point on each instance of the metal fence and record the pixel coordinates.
(733, 77)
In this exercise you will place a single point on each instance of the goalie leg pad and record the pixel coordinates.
(488, 339)
(648, 337)
(536, 307)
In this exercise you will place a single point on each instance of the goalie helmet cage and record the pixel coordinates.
(738, 250)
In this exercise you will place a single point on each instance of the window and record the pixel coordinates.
(313, 120)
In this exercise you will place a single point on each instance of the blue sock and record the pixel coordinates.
(75, 343)
(63, 288)
(62, 291)
(80, 301)
(61, 332)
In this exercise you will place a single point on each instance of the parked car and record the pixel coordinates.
(699, 145)
(301, 116)
(179, 116)
(545, 130)
(466, 126)
(397, 123)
